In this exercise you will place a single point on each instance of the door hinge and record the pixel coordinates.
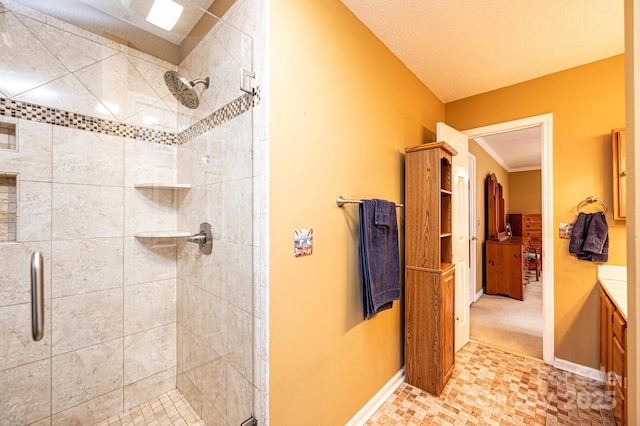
(246, 85)
(251, 421)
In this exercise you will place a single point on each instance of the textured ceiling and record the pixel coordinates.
(515, 151)
(460, 48)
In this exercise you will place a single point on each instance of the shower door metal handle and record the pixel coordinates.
(37, 296)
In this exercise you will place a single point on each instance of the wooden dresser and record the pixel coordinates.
(507, 266)
(527, 225)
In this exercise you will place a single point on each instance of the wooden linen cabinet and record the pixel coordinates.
(430, 273)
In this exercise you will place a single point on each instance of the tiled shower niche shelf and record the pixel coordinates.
(162, 234)
(8, 133)
(8, 208)
(162, 186)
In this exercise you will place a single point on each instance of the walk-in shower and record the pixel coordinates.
(101, 175)
(183, 89)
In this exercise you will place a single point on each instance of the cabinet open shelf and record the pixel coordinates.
(445, 213)
(446, 252)
(445, 175)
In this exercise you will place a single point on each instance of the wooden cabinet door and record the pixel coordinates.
(606, 335)
(448, 323)
(613, 356)
(505, 268)
(619, 386)
(423, 327)
(619, 148)
(619, 365)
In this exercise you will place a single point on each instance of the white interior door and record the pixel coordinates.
(460, 228)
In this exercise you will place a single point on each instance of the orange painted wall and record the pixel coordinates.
(586, 102)
(525, 192)
(342, 110)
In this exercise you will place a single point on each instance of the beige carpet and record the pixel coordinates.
(512, 325)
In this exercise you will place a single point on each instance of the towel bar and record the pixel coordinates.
(340, 201)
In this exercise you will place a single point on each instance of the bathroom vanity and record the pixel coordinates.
(613, 336)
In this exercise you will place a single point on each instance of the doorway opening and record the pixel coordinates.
(543, 125)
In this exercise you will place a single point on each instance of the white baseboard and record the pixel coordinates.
(378, 399)
(580, 370)
(478, 295)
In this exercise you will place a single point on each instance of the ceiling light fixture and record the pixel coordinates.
(164, 14)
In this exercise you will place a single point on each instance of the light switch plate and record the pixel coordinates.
(564, 230)
(302, 242)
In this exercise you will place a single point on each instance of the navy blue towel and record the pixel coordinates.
(379, 256)
(590, 237)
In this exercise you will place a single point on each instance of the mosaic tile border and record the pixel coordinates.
(59, 117)
(228, 112)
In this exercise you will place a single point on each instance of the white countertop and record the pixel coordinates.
(614, 281)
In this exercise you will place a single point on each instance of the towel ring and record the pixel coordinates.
(592, 199)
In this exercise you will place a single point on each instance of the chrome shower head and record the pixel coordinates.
(183, 89)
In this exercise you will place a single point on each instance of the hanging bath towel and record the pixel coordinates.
(590, 237)
(379, 256)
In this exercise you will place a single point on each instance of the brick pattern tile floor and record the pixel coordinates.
(492, 387)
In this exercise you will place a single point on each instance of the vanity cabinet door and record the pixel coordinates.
(606, 317)
(613, 355)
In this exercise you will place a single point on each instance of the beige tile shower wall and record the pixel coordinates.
(105, 313)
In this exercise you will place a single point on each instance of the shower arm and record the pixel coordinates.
(204, 81)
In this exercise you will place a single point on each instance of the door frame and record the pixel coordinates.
(545, 121)
(473, 229)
